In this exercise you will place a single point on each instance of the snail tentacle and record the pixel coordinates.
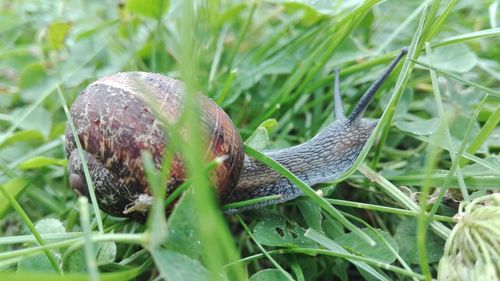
(364, 101)
(337, 99)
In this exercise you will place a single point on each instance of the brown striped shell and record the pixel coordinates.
(115, 125)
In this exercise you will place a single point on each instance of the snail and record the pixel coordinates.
(115, 125)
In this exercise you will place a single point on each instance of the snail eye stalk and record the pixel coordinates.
(363, 103)
(337, 100)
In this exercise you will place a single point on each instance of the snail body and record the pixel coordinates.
(115, 126)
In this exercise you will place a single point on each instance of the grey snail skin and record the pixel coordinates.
(115, 126)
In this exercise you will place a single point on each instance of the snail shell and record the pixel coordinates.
(115, 125)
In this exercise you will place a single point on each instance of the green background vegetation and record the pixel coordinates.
(270, 65)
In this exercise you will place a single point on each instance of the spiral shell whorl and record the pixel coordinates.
(115, 126)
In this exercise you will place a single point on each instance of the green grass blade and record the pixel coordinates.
(383, 125)
(458, 78)
(485, 33)
(444, 126)
(391, 210)
(431, 160)
(13, 202)
(401, 198)
(83, 160)
(89, 248)
(484, 133)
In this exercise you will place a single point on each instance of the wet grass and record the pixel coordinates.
(270, 67)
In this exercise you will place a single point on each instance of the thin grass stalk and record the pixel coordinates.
(445, 127)
(13, 202)
(264, 251)
(431, 161)
(89, 247)
(83, 160)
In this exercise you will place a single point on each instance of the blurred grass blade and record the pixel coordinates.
(157, 223)
(13, 187)
(383, 126)
(458, 78)
(42, 276)
(490, 166)
(217, 242)
(89, 247)
(488, 128)
(431, 160)
(444, 127)
(13, 202)
(455, 163)
(438, 22)
(401, 28)
(485, 33)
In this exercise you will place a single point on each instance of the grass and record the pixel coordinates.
(387, 218)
